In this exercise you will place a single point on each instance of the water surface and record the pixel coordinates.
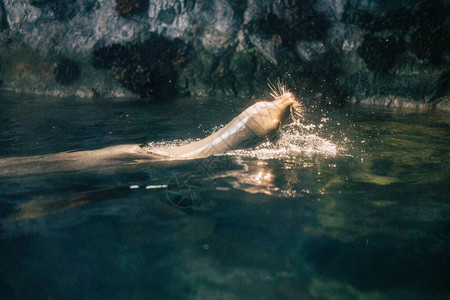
(350, 204)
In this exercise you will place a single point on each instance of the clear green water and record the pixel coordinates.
(353, 204)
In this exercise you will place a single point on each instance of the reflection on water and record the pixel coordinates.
(350, 204)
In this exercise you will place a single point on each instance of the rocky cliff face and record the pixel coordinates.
(330, 51)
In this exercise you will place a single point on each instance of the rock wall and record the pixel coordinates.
(329, 51)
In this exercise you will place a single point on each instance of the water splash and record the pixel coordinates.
(295, 139)
(160, 148)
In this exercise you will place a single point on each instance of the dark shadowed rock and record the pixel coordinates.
(380, 53)
(61, 9)
(127, 7)
(326, 51)
(66, 71)
(430, 35)
(3, 22)
(147, 68)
